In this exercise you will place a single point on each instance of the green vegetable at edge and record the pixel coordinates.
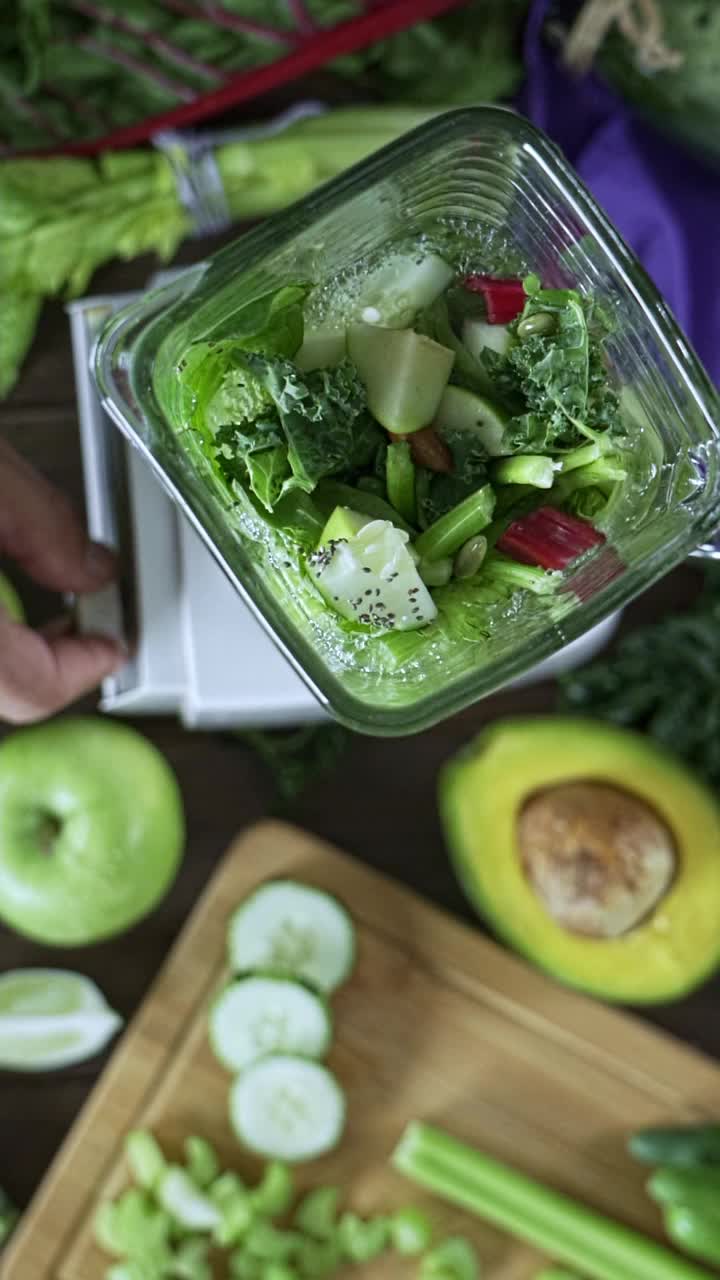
(447, 535)
(697, 1233)
(580, 1237)
(695, 1188)
(680, 1147)
(400, 480)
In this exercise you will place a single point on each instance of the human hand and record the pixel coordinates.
(42, 671)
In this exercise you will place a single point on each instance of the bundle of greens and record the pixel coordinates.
(63, 217)
(74, 69)
(661, 56)
(662, 678)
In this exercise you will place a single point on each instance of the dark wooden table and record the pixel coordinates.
(379, 804)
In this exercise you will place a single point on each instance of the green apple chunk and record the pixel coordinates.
(404, 374)
(371, 578)
(91, 829)
(10, 601)
(321, 349)
(343, 523)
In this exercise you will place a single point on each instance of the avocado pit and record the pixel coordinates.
(599, 858)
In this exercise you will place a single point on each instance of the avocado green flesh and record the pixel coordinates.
(482, 793)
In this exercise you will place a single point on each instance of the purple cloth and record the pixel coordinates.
(663, 201)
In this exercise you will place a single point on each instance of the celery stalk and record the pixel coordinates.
(526, 469)
(577, 1236)
(447, 535)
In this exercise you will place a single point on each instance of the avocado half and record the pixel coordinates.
(590, 850)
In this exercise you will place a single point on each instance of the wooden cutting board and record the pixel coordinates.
(436, 1022)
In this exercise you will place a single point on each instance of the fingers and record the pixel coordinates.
(39, 674)
(42, 533)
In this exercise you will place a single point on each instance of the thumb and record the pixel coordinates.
(41, 532)
(40, 674)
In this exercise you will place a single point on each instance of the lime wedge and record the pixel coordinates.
(48, 1041)
(47, 991)
(50, 1018)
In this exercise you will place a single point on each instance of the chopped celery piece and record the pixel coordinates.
(447, 535)
(520, 577)
(201, 1161)
(274, 1193)
(242, 1266)
(361, 1240)
(270, 1243)
(532, 469)
(452, 1259)
(603, 474)
(410, 1231)
(189, 1207)
(580, 457)
(547, 1219)
(400, 480)
(318, 1258)
(316, 1214)
(556, 1273)
(191, 1261)
(134, 1227)
(234, 1203)
(145, 1159)
(279, 1271)
(133, 1271)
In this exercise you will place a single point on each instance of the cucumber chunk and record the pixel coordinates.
(479, 336)
(258, 1015)
(289, 928)
(287, 1108)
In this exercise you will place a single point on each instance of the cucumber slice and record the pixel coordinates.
(287, 1108)
(479, 336)
(289, 928)
(462, 410)
(186, 1204)
(257, 1015)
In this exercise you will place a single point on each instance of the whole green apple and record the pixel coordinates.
(10, 600)
(91, 829)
